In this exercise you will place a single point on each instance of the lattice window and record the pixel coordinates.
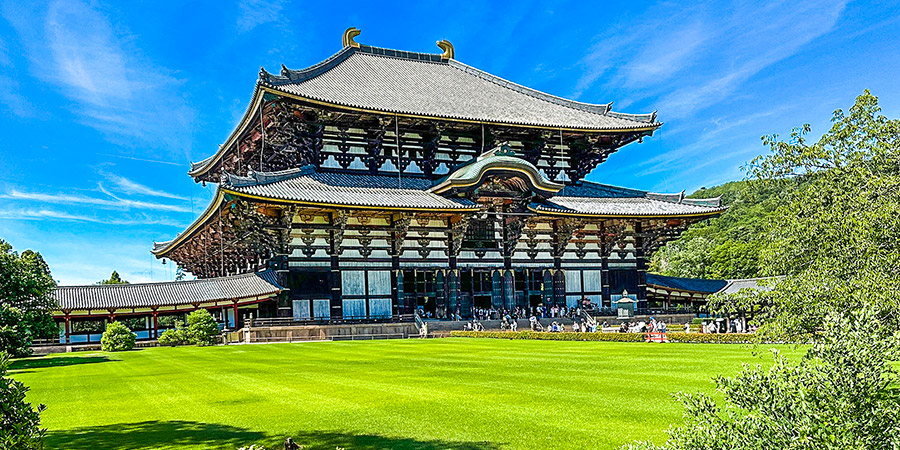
(480, 234)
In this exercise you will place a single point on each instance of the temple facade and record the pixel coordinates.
(380, 181)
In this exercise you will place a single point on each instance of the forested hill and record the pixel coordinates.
(727, 246)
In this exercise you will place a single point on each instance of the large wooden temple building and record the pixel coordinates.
(380, 181)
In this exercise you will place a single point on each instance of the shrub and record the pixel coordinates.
(177, 336)
(20, 424)
(117, 338)
(202, 328)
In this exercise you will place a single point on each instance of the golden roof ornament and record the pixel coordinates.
(447, 47)
(349, 34)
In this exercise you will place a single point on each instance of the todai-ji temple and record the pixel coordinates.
(379, 182)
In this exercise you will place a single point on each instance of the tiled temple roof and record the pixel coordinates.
(348, 190)
(702, 286)
(748, 283)
(422, 84)
(595, 199)
(142, 295)
(706, 286)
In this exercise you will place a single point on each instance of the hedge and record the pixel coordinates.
(693, 338)
(716, 338)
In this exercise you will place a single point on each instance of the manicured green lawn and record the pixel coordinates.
(462, 394)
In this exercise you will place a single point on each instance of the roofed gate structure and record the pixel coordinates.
(380, 181)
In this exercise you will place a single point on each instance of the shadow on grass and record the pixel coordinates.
(331, 440)
(153, 435)
(58, 361)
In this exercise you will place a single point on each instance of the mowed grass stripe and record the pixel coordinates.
(463, 394)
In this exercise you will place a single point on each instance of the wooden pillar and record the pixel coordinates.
(234, 305)
(68, 328)
(155, 324)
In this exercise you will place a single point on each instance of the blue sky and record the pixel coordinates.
(104, 104)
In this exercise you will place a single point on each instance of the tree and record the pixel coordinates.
(834, 238)
(841, 395)
(114, 278)
(202, 328)
(117, 338)
(20, 427)
(26, 301)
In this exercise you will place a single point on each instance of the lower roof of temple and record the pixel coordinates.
(305, 186)
(706, 287)
(148, 295)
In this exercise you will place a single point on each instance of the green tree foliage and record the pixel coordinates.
(114, 278)
(841, 395)
(117, 338)
(835, 240)
(20, 426)
(175, 336)
(201, 329)
(26, 303)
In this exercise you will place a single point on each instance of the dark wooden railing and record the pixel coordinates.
(291, 321)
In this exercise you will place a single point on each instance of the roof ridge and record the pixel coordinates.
(158, 283)
(299, 75)
(612, 186)
(254, 178)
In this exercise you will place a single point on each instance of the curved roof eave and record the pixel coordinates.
(164, 249)
(200, 168)
(571, 213)
(221, 192)
(649, 126)
(528, 169)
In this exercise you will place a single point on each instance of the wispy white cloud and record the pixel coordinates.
(114, 89)
(705, 51)
(72, 200)
(46, 214)
(128, 186)
(254, 13)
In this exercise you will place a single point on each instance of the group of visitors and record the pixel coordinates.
(653, 326)
(473, 325)
(723, 325)
(519, 312)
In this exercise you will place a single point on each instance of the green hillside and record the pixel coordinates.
(727, 246)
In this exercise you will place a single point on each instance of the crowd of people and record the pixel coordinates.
(653, 326)
(541, 312)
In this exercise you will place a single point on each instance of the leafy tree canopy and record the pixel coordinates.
(26, 303)
(114, 278)
(834, 239)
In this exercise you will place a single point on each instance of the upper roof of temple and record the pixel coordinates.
(409, 86)
(427, 85)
